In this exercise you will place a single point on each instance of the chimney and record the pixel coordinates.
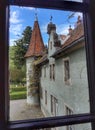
(79, 21)
(70, 30)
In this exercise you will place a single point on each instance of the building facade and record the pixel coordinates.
(63, 84)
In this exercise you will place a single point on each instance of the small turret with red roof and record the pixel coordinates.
(36, 46)
(35, 50)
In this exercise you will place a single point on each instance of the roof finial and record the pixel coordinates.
(36, 18)
(51, 19)
(70, 29)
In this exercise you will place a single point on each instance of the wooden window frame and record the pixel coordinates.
(87, 7)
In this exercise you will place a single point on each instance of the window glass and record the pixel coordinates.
(63, 87)
(85, 126)
(75, 0)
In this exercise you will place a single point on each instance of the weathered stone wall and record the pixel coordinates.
(33, 74)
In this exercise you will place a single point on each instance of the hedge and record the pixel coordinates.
(17, 95)
(15, 89)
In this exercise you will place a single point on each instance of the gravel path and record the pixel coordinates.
(19, 110)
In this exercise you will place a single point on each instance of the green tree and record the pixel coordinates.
(16, 75)
(26, 36)
(21, 46)
(16, 57)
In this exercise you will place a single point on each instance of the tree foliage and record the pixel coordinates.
(21, 46)
(16, 57)
(17, 75)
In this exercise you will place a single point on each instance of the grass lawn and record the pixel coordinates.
(17, 92)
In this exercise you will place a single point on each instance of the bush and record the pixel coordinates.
(18, 95)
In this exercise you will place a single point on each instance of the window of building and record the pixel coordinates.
(52, 71)
(44, 71)
(51, 45)
(69, 112)
(51, 104)
(45, 97)
(54, 105)
(66, 70)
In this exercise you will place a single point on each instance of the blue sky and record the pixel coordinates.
(20, 17)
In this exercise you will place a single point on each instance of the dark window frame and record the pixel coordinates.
(66, 70)
(45, 71)
(88, 7)
(69, 112)
(53, 73)
(50, 71)
(53, 101)
(46, 97)
(51, 45)
(51, 105)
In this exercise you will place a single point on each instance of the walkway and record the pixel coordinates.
(19, 110)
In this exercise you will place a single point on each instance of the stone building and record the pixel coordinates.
(62, 75)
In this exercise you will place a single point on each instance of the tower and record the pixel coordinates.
(35, 50)
(54, 42)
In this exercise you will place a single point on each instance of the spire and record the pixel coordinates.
(36, 46)
(36, 18)
(51, 19)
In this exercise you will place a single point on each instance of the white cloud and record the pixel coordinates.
(78, 14)
(16, 29)
(44, 28)
(11, 42)
(14, 17)
(62, 29)
(28, 8)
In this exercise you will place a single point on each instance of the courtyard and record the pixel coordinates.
(19, 110)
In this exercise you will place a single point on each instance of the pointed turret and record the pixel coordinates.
(36, 49)
(36, 46)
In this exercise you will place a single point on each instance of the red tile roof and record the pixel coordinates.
(77, 33)
(36, 46)
(75, 36)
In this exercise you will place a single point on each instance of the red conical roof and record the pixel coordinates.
(36, 46)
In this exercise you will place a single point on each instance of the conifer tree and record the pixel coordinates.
(21, 46)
